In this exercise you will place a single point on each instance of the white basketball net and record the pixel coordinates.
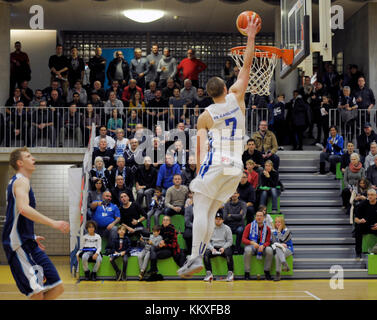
(261, 71)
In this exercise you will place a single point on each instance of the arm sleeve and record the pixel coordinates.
(99, 244)
(245, 235)
(274, 144)
(285, 237)
(268, 238)
(159, 178)
(174, 64)
(228, 238)
(141, 211)
(168, 199)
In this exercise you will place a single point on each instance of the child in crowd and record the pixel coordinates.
(267, 218)
(189, 200)
(114, 123)
(120, 247)
(156, 207)
(90, 249)
(121, 144)
(144, 256)
(252, 175)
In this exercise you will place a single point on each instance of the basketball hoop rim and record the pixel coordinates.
(286, 55)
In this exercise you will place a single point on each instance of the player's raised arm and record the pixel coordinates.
(240, 86)
(21, 191)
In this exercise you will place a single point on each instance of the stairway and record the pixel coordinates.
(312, 208)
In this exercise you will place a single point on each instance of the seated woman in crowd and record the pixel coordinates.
(99, 172)
(269, 182)
(359, 195)
(114, 123)
(121, 144)
(136, 103)
(90, 116)
(354, 172)
(267, 218)
(131, 122)
(282, 243)
(95, 198)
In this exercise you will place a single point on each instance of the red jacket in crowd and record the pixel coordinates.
(246, 233)
(191, 68)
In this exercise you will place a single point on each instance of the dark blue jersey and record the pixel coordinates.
(17, 228)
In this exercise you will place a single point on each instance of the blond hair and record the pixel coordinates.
(15, 156)
(282, 221)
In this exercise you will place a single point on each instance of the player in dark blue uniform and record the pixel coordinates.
(34, 273)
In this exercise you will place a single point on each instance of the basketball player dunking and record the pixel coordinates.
(221, 170)
(34, 273)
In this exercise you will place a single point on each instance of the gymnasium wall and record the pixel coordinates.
(50, 185)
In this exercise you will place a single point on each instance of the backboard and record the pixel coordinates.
(295, 32)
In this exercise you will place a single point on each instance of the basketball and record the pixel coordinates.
(241, 22)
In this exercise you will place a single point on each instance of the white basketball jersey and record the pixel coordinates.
(225, 138)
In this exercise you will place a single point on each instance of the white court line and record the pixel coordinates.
(189, 298)
(312, 295)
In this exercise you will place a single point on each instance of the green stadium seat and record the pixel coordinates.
(181, 241)
(269, 205)
(257, 267)
(369, 241)
(273, 216)
(372, 264)
(339, 174)
(178, 221)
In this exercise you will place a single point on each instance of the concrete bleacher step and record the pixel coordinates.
(333, 212)
(298, 220)
(308, 202)
(316, 273)
(305, 240)
(285, 169)
(325, 251)
(299, 184)
(307, 177)
(321, 231)
(323, 263)
(312, 194)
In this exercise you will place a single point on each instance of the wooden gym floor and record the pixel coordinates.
(195, 290)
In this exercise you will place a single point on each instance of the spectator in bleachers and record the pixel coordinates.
(129, 92)
(353, 173)
(144, 256)
(76, 100)
(168, 247)
(19, 67)
(282, 243)
(364, 96)
(233, 78)
(189, 172)
(266, 143)
(153, 60)
(331, 80)
(106, 154)
(97, 87)
(133, 155)
(162, 135)
(131, 123)
(251, 153)
(137, 103)
(369, 160)
(113, 103)
(120, 169)
(119, 188)
(315, 105)
(156, 207)
(267, 217)
(323, 122)
(2, 128)
(202, 100)
(298, 119)
(366, 220)
(95, 198)
(71, 125)
(346, 157)
(37, 98)
(180, 154)
(347, 107)
(189, 201)
(269, 180)
(177, 107)
(277, 119)
(132, 216)
(99, 172)
(257, 240)
(98, 105)
(89, 117)
(234, 217)
(252, 175)
(90, 250)
(219, 245)
(247, 194)
(26, 92)
(139, 68)
(168, 91)
(145, 179)
(103, 135)
(307, 89)
(55, 85)
(227, 71)
(107, 216)
(160, 106)
(150, 93)
(359, 194)
(190, 68)
(80, 90)
(371, 174)
(365, 139)
(257, 102)
(55, 101)
(166, 173)
(175, 198)
(42, 123)
(115, 86)
(76, 68)
(187, 234)
(120, 248)
(114, 123)
(97, 66)
(12, 101)
(118, 70)
(16, 125)
(59, 66)
(121, 144)
(167, 69)
(156, 153)
(332, 152)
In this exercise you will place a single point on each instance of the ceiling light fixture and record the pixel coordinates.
(143, 15)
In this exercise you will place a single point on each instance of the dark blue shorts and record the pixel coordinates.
(32, 270)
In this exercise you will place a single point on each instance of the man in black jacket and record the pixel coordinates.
(253, 154)
(189, 172)
(119, 70)
(247, 194)
(76, 68)
(122, 170)
(364, 99)
(371, 174)
(365, 139)
(97, 65)
(59, 66)
(145, 178)
(119, 188)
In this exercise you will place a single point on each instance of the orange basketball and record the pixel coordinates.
(241, 22)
